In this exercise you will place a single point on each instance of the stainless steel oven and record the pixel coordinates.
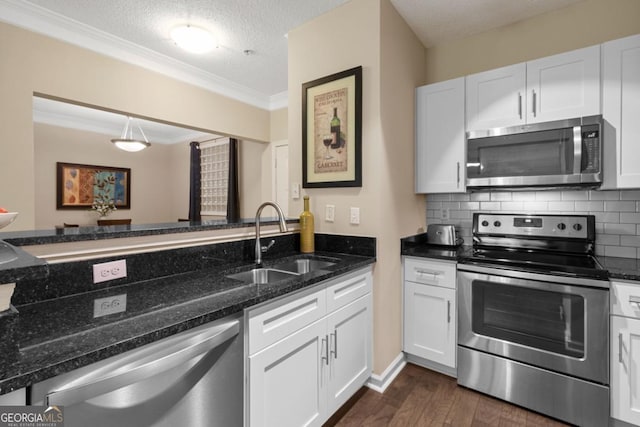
(533, 324)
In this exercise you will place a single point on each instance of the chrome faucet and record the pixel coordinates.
(283, 229)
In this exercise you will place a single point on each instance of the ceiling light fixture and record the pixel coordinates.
(127, 142)
(193, 39)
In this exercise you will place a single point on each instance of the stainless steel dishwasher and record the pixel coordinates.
(193, 379)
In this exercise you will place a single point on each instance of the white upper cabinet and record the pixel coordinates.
(557, 87)
(496, 98)
(621, 110)
(440, 139)
(564, 86)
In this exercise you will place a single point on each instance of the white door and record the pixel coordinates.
(430, 323)
(281, 177)
(621, 110)
(625, 372)
(496, 98)
(349, 331)
(288, 380)
(564, 86)
(440, 138)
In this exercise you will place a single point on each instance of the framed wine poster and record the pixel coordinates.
(332, 130)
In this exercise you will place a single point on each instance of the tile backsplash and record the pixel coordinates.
(617, 212)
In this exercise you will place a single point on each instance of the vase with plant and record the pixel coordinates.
(103, 206)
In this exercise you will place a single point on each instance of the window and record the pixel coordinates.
(214, 177)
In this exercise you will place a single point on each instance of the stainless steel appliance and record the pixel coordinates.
(443, 234)
(193, 379)
(561, 153)
(533, 315)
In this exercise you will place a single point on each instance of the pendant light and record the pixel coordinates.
(127, 142)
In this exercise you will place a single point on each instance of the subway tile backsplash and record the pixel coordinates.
(617, 212)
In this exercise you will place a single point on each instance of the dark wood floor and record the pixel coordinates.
(420, 397)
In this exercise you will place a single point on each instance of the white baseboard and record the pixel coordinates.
(380, 382)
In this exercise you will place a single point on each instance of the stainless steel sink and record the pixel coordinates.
(301, 266)
(262, 276)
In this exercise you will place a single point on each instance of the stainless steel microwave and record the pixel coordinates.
(560, 153)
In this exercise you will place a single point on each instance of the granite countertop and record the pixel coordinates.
(54, 336)
(617, 268)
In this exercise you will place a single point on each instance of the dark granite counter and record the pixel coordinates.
(58, 334)
(621, 268)
(16, 264)
(77, 234)
(618, 268)
(417, 246)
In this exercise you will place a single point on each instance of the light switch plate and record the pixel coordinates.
(330, 213)
(295, 191)
(354, 216)
(109, 270)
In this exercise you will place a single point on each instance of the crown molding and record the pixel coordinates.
(39, 20)
(279, 100)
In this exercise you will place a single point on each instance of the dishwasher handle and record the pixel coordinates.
(148, 366)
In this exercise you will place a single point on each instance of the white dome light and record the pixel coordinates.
(193, 39)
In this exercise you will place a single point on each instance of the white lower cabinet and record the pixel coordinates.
(625, 352)
(303, 378)
(430, 312)
(430, 330)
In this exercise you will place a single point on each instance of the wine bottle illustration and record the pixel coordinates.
(335, 129)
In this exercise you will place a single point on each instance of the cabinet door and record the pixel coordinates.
(440, 152)
(621, 109)
(349, 331)
(564, 86)
(625, 372)
(496, 98)
(430, 323)
(287, 381)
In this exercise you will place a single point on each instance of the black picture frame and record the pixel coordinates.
(337, 163)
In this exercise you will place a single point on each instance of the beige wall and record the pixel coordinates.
(32, 63)
(580, 25)
(160, 176)
(371, 34)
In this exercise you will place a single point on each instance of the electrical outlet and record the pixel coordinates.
(109, 305)
(354, 216)
(444, 213)
(109, 270)
(330, 213)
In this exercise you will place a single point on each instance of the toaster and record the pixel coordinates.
(443, 234)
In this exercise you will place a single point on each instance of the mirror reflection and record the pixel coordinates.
(160, 177)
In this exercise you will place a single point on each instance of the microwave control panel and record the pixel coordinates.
(590, 149)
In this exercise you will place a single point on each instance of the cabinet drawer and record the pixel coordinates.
(272, 325)
(625, 299)
(348, 289)
(430, 272)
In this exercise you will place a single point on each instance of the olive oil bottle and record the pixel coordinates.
(306, 229)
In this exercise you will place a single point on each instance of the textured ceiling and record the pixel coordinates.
(140, 27)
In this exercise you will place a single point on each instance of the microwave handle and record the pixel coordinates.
(577, 150)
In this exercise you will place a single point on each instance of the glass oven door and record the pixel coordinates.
(534, 320)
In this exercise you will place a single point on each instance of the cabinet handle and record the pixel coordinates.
(620, 347)
(533, 93)
(634, 300)
(448, 311)
(335, 344)
(325, 344)
(458, 175)
(520, 105)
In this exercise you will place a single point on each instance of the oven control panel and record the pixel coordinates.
(574, 226)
